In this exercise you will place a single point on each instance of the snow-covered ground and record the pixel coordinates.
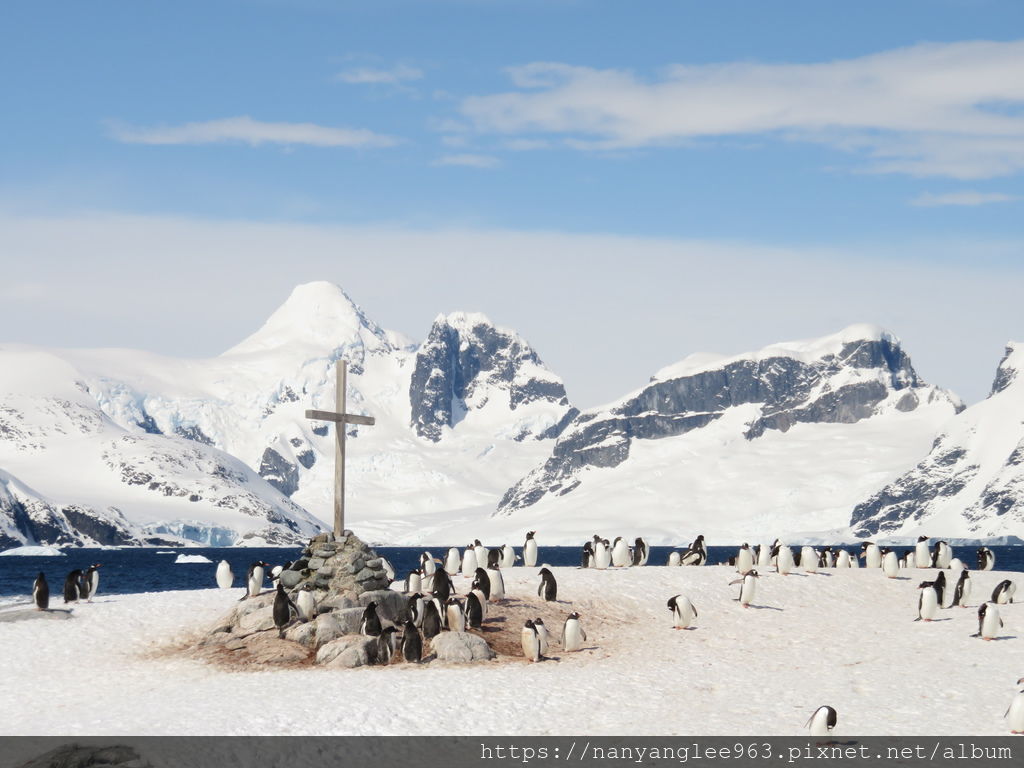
(844, 638)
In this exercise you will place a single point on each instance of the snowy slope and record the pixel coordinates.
(499, 405)
(781, 441)
(971, 484)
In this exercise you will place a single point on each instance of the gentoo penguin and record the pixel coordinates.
(827, 558)
(783, 559)
(749, 582)
(822, 721)
(620, 553)
(225, 576)
(92, 579)
(370, 624)
(744, 559)
(386, 645)
(542, 635)
(907, 559)
(587, 556)
(842, 559)
(808, 559)
(389, 569)
(428, 565)
(305, 602)
(602, 555)
(482, 582)
(986, 559)
(414, 582)
(871, 554)
(83, 586)
(482, 554)
(275, 572)
(1003, 593)
(854, 562)
(493, 559)
(530, 550)
(497, 585)
(1015, 714)
(675, 558)
(989, 622)
(890, 564)
(415, 607)
(443, 587)
(940, 588)
(962, 590)
(72, 586)
(573, 635)
(640, 551)
(548, 589)
(254, 579)
(922, 558)
(412, 644)
(508, 556)
(696, 554)
(456, 618)
(530, 641)
(283, 607)
(927, 601)
(474, 610)
(453, 561)
(764, 556)
(41, 592)
(431, 619)
(469, 562)
(683, 612)
(941, 555)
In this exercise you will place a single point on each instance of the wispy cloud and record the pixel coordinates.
(968, 198)
(931, 109)
(245, 130)
(469, 160)
(400, 73)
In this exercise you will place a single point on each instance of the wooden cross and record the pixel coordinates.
(340, 419)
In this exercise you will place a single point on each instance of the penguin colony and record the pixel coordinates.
(433, 605)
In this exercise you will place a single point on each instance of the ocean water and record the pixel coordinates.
(133, 570)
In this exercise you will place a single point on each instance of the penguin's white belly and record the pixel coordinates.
(928, 604)
(1015, 715)
(873, 558)
(921, 557)
(684, 613)
(542, 638)
(891, 565)
(747, 590)
(469, 564)
(991, 625)
(843, 559)
(306, 605)
(256, 582)
(481, 556)
(530, 554)
(620, 555)
(764, 558)
(785, 560)
(809, 559)
(674, 558)
(497, 585)
(601, 558)
(819, 723)
(573, 639)
(225, 578)
(456, 620)
(531, 645)
(508, 557)
(744, 561)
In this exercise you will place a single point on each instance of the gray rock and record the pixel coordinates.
(461, 647)
(324, 552)
(28, 614)
(337, 603)
(348, 620)
(348, 652)
(315, 563)
(255, 621)
(375, 563)
(366, 574)
(290, 578)
(328, 628)
(279, 472)
(304, 634)
(326, 570)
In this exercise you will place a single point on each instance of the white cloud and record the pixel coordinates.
(968, 198)
(253, 132)
(400, 73)
(931, 109)
(469, 160)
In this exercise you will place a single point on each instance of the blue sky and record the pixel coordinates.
(861, 136)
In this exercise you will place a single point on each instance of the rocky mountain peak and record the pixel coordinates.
(1009, 367)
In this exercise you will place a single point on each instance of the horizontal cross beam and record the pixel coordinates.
(344, 418)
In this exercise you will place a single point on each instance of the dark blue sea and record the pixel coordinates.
(131, 570)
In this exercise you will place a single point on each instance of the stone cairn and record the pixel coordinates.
(346, 575)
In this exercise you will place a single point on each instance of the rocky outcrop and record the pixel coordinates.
(279, 472)
(842, 380)
(465, 363)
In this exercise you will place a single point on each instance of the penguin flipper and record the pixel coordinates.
(694, 607)
(583, 634)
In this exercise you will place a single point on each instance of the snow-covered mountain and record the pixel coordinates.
(188, 433)
(784, 440)
(971, 483)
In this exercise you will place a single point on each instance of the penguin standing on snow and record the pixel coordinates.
(890, 564)
(306, 603)
(412, 643)
(469, 562)
(1003, 593)
(744, 559)
(254, 579)
(675, 558)
(683, 611)
(483, 554)
(809, 559)
(497, 585)
(783, 559)
(92, 579)
(602, 555)
(822, 721)
(986, 559)
(922, 558)
(474, 610)
(456, 617)
(542, 635)
(508, 556)
(640, 551)
(414, 582)
(73, 586)
(927, 601)
(573, 635)
(587, 556)
(548, 589)
(443, 587)
(530, 550)
(940, 588)
(989, 622)
(283, 607)
(370, 624)
(842, 559)
(482, 582)
(620, 553)
(696, 554)
(530, 641)
(962, 590)
(225, 576)
(428, 565)
(871, 554)
(749, 582)
(41, 592)
(1015, 714)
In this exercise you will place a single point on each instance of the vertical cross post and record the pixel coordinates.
(340, 419)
